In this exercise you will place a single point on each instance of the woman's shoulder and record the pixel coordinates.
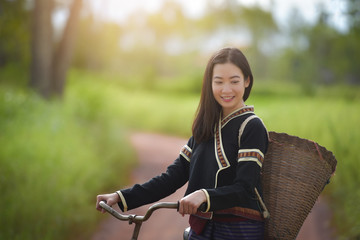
(253, 122)
(253, 132)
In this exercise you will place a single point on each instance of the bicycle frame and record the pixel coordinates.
(138, 220)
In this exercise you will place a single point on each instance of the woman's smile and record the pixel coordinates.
(227, 98)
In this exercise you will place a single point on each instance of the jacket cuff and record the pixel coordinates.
(122, 203)
(207, 200)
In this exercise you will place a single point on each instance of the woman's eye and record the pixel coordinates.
(235, 82)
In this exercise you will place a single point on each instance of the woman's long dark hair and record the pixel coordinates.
(208, 112)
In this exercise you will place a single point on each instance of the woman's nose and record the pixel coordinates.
(226, 88)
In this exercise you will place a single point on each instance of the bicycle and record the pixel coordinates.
(138, 220)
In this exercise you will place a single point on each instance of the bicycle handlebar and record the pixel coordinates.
(134, 218)
(138, 220)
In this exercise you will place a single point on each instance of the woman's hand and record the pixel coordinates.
(110, 199)
(190, 203)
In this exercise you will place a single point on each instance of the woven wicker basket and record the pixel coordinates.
(295, 171)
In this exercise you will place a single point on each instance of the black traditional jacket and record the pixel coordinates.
(226, 167)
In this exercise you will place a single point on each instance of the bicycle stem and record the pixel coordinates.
(138, 220)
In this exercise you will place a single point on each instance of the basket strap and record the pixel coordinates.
(318, 150)
(265, 212)
(243, 125)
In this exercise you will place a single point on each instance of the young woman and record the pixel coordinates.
(221, 161)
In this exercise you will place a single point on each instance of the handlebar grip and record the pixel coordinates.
(203, 207)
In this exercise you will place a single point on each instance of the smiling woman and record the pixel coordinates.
(220, 164)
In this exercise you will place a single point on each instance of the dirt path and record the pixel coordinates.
(155, 153)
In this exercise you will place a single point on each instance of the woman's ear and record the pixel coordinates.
(247, 82)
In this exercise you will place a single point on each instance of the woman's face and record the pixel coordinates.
(228, 87)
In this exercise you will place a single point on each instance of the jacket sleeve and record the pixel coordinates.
(176, 175)
(254, 142)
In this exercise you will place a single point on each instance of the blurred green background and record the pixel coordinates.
(75, 82)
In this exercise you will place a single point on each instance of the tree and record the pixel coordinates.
(353, 15)
(63, 53)
(234, 18)
(50, 62)
(102, 38)
(41, 47)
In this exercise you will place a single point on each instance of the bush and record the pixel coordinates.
(55, 158)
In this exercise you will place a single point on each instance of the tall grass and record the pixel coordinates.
(55, 157)
(158, 110)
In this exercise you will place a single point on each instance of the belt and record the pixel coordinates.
(240, 212)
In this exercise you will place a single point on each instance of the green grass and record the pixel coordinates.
(55, 158)
(138, 108)
(61, 154)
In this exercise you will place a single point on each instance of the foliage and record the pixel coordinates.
(55, 158)
(140, 108)
(333, 55)
(97, 45)
(314, 54)
(353, 15)
(146, 42)
(14, 32)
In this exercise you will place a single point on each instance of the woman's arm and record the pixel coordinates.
(176, 175)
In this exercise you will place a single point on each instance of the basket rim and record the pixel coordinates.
(322, 153)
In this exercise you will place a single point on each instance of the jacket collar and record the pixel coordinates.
(236, 113)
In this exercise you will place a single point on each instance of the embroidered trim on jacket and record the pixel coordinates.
(221, 158)
(251, 155)
(186, 152)
(220, 153)
(237, 113)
